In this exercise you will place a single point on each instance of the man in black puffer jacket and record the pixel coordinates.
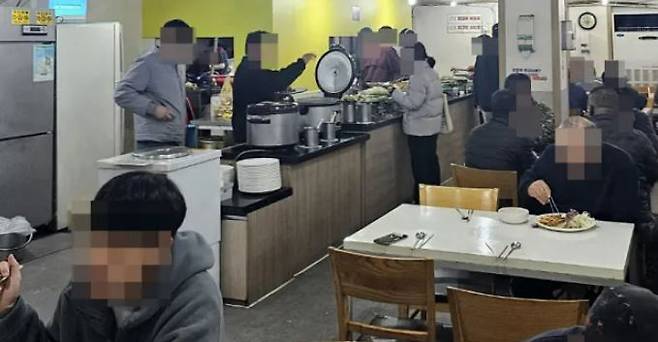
(642, 120)
(613, 114)
(496, 146)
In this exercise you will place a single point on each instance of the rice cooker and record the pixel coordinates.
(335, 74)
(273, 124)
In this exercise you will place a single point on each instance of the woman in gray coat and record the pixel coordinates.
(423, 117)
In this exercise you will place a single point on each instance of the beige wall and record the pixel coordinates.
(129, 14)
(597, 40)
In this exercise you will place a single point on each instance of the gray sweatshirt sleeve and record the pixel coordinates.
(129, 94)
(22, 324)
(415, 97)
(195, 314)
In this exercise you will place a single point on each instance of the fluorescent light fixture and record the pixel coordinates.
(604, 2)
(453, 3)
(412, 2)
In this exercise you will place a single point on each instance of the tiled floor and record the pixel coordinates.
(303, 311)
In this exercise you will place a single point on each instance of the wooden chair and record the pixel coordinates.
(478, 317)
(403, 282)
(462, 198)
(505, 181)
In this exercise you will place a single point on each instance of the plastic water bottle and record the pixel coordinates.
(192, 136)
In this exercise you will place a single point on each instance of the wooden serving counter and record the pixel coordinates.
(330, 194)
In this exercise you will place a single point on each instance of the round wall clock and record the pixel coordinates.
(587, 21)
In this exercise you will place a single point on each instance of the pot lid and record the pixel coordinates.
(318, 102)
(163, 153)
(271, 108)
(335, 72)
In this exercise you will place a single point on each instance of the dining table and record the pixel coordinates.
(598, 257)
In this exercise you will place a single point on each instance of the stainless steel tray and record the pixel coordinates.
(164, 153)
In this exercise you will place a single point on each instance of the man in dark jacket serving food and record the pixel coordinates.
(255, 81)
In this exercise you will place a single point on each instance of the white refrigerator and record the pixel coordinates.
(198, 179)
(89, 124)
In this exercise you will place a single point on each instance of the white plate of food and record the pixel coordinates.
(571, 222)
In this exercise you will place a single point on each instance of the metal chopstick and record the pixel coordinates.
(461, 214)
(490, 249)
(426, 241)
(503, 252)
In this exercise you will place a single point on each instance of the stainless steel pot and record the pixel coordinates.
(364, 112)
(314, 110)
(349, 115)
(311, 137)
(329, 130)
(273, 124)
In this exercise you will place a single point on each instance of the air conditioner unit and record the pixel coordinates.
(635, 41)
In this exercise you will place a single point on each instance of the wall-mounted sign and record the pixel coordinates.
(43, 63)
(465, 23)
(535, 74)
(20, 17)
(45, 18)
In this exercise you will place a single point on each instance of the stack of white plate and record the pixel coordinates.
(259, 175)
(228, 179)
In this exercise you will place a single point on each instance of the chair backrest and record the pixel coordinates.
(478, 317)
(462, 198)
(385, 280)
(505, 181)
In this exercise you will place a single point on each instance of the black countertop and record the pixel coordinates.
(243, 204)
(295, 155)
(367, 127)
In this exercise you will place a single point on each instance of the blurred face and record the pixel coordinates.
(121, 266)
(118, 265)
(526, 118)
(177, 45)
(615, 74)
(578, 147)
(581, 70)
(407, 55)
(264, 53)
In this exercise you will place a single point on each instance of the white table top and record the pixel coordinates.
(196, 157)
(594, 257)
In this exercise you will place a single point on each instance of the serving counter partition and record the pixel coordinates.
(267, 244)
(329, 194)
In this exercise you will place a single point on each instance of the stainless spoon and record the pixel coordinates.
(514, 246)
(419, 237)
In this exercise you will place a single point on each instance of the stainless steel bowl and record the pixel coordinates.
(13, 243)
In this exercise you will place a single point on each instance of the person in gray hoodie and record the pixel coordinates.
(154, 89)
(176, 299)
(423, 118)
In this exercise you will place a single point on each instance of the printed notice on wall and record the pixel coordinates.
(465, 23)
(535, 74)
(43, 63)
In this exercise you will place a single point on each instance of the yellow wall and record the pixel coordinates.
(302, 25)
(306, 25)
(211, 18)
